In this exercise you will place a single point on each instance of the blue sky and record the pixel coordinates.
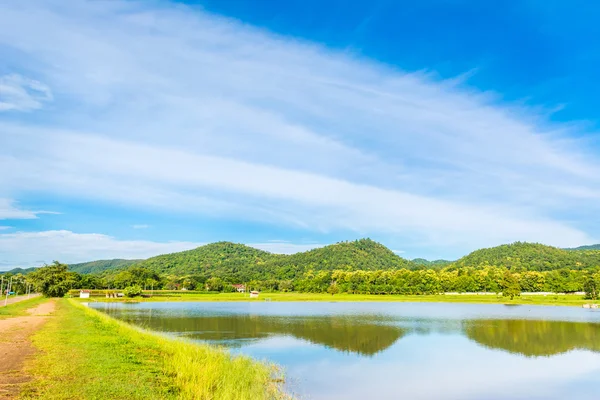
(129, 129)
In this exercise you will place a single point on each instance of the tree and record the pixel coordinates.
(510, 285)
(591, 287)
(53, 280)
(214, 284)
(132, 291)
(333, 289)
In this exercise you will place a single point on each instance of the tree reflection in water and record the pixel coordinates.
(534, 338)
(369, 334)
(365, 335)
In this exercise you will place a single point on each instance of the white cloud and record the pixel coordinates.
(3, 228)
(30, 249)
(140, 226)
(205, 115)
(8, 210)
(18, 93)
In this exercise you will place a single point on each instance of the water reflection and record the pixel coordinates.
(534, 338)
(363, 333)
(366, 336)
(389, 351)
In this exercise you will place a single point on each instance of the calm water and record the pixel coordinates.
(399, 350)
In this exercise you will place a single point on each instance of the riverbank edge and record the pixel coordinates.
(534, 299)
(68, 360)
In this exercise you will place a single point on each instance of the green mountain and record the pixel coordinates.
(530, 256)
(430, 264)
(221, 259)
(96, 267)
(363, 254)
(590, 247)
(240, 263)
(18, 271)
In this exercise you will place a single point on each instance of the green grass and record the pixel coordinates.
(88, 355)
(558, 300)
(20, 308)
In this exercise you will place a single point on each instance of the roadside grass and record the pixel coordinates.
(535, 299)
(85, 354)
(20, 308)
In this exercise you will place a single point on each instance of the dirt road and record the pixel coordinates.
(15, 347)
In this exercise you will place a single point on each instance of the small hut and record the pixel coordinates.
(240, 288)
(84, 294)
(254, 294)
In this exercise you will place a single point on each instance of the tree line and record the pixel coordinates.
(55, 280)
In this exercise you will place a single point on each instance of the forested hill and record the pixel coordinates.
(435, 264)
(237, 262)
(15, 271)
(240, 263)
(590, 247)
(530, 256)
(96, 267)
(363, 254)
(221, 259)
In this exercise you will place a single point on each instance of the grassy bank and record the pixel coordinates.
(558, 300)
(19, 308)
(87, 355)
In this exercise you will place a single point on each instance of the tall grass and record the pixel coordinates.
(89, 355)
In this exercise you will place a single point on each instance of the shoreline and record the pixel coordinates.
(106, 354)
(568, 300)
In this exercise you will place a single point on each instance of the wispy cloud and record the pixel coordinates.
(30, 249)
(26, 249)
(18, 93)
(140, 226)
(9, 210)
(3, 228)
(205, 115)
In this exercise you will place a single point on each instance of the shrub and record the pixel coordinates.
(132, 291)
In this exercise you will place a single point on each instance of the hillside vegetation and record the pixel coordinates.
(221, 259)
(363, 254)
(241, 263)
(358, 267)
(95, 267)
(521, 256)
(421, 262)
(589, 247)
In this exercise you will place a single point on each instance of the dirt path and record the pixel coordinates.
(15, 347)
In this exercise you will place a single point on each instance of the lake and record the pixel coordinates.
(398, 350)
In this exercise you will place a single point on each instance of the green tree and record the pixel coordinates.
(333, 289)
(53, 280)
(591, 287)
(510, 285)
(214, 284)
(132, 291)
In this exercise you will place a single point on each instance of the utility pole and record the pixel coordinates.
(8, 287)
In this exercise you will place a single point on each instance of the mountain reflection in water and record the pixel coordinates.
(534, 338)
(364, 334)
(353, 351)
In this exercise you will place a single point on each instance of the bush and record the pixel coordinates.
(132, 291)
